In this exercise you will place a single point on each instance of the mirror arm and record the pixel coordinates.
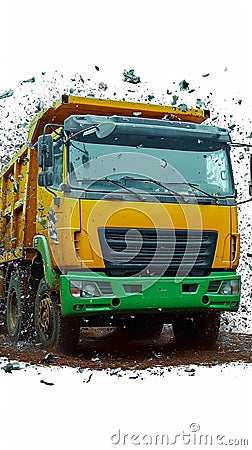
(93, 127)
(51, 125)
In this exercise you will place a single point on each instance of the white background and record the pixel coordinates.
(165, 42)
(160, 39)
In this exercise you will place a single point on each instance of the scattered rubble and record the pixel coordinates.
(10, 366)
(6, 94)
(49, 358)
(48, 383)
(30, 80)
(130, 77)
(183, 85)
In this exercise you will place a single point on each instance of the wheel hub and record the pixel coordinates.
(46, 316)
(13, 310)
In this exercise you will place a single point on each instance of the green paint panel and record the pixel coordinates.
(51, 276)
(146, 295)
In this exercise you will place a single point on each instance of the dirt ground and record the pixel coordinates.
(102, 348)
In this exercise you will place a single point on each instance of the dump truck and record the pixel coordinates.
(118, 213)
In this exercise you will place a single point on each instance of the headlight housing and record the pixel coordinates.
(230, 287)
(84, 289)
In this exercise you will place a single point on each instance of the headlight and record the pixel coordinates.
(75, 288)
(84, 289)
(230, 287)
(89, 290)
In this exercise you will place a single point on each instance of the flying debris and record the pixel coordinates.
(182, 107)
(6, 94)
(130, 77)
(200, 103)
(47, 383)
(29, 80)
(88, 379)
(183, 85)
(103, 86)
(174, 99)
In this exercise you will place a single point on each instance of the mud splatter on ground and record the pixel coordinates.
(102, 348)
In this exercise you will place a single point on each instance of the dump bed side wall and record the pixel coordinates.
(18, 198)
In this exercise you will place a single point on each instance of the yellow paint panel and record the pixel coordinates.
(156, 215)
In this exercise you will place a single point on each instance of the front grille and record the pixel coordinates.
(105, 287)
(214, 286)
(139, 248)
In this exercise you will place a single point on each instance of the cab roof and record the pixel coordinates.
(69, 105)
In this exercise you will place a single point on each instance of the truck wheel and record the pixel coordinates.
(201, 329)
(19, 316)
(53, 329)
(13, 309)
(140, 329)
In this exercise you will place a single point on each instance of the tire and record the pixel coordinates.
(141, 329)
(201, 329)
(52, 329)
(19, 306)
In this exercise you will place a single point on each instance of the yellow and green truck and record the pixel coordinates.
(118, 213)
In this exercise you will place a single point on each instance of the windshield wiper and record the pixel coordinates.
(159, 184)
(195, 186)
(67, 187)
(117, 183)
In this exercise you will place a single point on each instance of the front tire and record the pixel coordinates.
(13, 308)
(19, 306)
(52, 329)
(200, 329)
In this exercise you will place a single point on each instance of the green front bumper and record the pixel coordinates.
(125, 295)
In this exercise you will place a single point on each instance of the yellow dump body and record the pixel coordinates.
(18, 202)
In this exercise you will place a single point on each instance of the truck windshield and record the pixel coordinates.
(94, 167)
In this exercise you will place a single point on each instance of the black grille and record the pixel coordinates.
(139, 248)
(214, 286)
(105, 287)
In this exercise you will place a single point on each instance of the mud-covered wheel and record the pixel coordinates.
(13, 309)
(19, 314)
(201, 329)
(52, 329)
(141, 329)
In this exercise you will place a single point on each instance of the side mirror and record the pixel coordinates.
(45, 179)
(45, 151)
